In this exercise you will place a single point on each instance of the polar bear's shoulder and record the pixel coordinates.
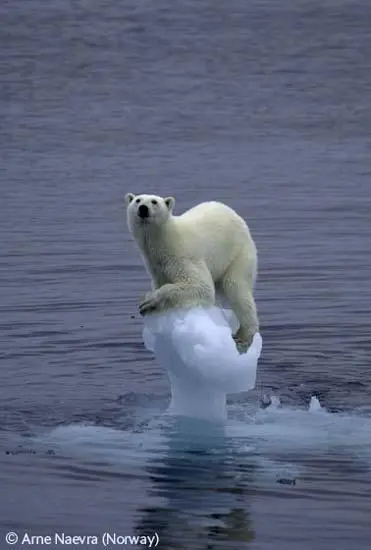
(209, 206)
(209, 217)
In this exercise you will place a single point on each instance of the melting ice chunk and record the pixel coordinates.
(196, 348)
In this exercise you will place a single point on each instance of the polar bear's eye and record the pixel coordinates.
(154, 201)
(138, 200)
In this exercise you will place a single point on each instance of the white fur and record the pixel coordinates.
(206, 252)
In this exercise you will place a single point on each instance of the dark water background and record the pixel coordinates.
(262, 104)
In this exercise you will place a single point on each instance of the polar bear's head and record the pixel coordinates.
(148, 209)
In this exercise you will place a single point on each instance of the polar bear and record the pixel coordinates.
(205, 253)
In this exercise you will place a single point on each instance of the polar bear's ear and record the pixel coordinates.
(170, 202)
(129, 197)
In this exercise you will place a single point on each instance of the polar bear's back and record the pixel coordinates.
(215, 233)
(214, 218)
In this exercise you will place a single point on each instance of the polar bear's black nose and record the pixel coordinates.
(143, 211)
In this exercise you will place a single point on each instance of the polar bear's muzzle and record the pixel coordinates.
(143, 211)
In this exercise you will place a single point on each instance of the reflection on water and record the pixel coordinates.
(198, 496)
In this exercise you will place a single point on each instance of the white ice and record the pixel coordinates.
(196, 349)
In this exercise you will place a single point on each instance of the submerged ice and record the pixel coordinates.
(197, 350)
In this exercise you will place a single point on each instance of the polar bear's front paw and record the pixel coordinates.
(150, 303)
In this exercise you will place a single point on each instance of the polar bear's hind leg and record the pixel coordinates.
(237, 286)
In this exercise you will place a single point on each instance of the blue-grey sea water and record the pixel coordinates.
(264, 105)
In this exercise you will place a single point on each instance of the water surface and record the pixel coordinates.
(265, 106)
